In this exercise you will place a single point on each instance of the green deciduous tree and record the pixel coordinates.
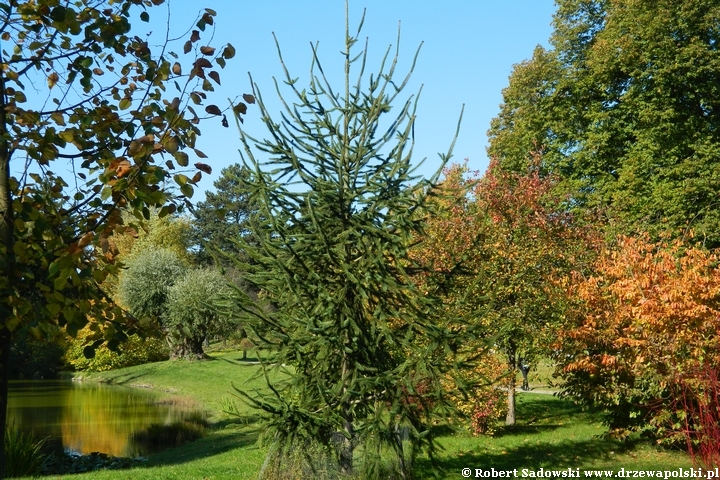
(143, 287)
(80, 91)
(625, 107)
(337, 208)
(531, 243)
(192, 313)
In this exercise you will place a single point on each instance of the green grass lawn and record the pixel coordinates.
(551, 433)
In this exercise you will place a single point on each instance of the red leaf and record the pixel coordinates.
(204, 167)
(213, 110)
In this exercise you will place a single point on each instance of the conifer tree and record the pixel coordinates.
(337, 206)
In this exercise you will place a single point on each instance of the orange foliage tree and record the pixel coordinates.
(646, 333)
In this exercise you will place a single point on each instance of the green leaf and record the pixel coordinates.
(67, 135)
(171, 144)
(187, 190)
(228, 52)
(58, 14)
(12, 323)
(53, 269)
(145, 17)
(60, 282)
(182, 158)
(58, 118)
(125, 103)
(53, 308)
(89, 352)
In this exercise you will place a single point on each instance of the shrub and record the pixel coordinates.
(486, 403)
(23, 453)
(134, 351)
(647, 326)
(490, 405)
(698, 397)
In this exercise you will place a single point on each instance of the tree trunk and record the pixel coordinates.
(347, 445)
(512, 364)
(346, 448)
(7, 266)
(189, 348)
(5, 343)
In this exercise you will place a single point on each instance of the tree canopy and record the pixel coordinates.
(223, 218)
(625, 107)
(192, 313)
(80, 91)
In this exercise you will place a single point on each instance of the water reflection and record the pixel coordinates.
(87, 417)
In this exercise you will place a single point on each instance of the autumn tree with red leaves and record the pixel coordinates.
(501, 252)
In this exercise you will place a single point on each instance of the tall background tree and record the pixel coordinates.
(223, 218)
(79, 89)
(625, 107)
(337, 210)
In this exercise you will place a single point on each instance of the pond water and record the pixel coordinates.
(88, 417)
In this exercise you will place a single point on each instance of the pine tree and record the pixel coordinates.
(337, 204)
(222, 218)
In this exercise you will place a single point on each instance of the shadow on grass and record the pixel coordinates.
(558, 455)
(238, 422)
(533, 442)
(535, 410)
(217, 442)
(241, 361)
(124, 379)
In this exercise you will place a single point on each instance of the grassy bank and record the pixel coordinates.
(229, 450)
(551, 433)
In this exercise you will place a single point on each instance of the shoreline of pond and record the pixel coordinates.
(86, 416)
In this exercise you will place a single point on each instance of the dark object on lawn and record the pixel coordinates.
(245, 345)
(524, 369)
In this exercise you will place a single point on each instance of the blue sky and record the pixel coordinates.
(469, 49)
